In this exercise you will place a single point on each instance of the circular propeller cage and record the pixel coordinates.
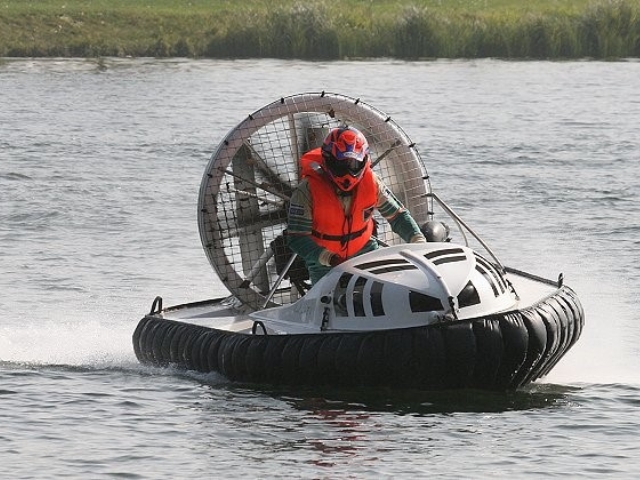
(245, 191)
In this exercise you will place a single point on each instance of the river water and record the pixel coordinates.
(100, 165)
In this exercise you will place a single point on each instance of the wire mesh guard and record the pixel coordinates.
(245, 191)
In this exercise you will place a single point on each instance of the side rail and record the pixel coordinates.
(464, 228)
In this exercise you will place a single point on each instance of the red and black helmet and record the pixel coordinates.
(345, 153)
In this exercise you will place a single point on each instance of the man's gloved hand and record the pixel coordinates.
(335, 260)
(418, 238)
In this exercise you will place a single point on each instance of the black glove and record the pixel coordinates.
(335, 260)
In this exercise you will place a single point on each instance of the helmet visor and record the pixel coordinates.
(345, 166)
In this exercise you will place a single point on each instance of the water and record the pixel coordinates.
(100, 166)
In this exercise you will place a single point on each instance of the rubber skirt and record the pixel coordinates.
(497, 352)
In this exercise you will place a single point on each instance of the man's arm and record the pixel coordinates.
(397, 215)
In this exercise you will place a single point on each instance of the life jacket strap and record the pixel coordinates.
(339, 238)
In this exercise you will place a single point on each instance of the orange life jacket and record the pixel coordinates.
(344, 234)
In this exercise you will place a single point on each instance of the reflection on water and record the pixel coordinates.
(331, 402)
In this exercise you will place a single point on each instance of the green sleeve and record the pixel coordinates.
(300, 222)
(304, 246)
(396, 214)
(405, 226)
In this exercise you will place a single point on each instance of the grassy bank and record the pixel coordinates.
(321, 29)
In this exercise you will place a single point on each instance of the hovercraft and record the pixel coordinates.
(438, 315)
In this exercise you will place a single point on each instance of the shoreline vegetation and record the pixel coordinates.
(321, 30)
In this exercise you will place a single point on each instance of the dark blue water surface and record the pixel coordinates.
(100, 165)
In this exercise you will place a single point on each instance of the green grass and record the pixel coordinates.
(321, 29)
